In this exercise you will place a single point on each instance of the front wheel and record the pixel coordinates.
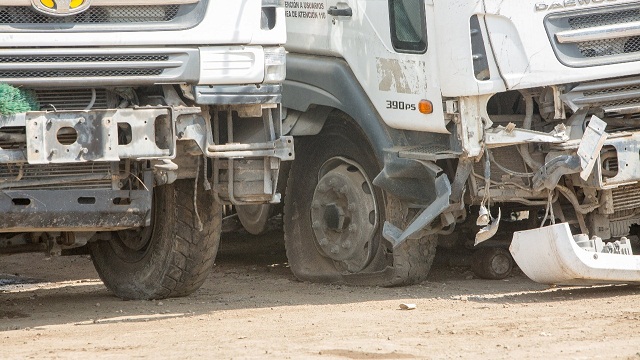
(333, 215)
(170, 258)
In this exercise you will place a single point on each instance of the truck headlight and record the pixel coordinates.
(275, 64)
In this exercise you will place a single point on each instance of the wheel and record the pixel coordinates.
(254, 218)
(333, 215)
(493, 263)
(170, 258)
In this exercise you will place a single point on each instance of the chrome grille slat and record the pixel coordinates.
(614, 96)
(598, 36)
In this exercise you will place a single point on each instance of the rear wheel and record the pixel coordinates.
(333, 215)
(170, 258)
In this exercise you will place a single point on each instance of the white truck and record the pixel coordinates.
(151, 114)
(413, 117)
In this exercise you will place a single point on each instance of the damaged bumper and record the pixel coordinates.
(68, 170)
(550, 255)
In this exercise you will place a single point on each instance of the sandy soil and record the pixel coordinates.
(252, 307)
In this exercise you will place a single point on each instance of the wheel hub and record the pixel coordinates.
(343, 215)
(501, 264)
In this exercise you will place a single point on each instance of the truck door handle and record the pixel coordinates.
(334, 11)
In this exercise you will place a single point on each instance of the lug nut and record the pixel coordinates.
(323, 242)
(84, 150)
(346, 244)
(335, 249)
(353, 228)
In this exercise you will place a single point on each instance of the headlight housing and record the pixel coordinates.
(275, 64)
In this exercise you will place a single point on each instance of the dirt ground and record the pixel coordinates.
(252, 307)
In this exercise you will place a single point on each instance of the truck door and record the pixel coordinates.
(308, 26)
(386, 44)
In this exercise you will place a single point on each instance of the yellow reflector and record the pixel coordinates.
(425, 106)
(48, 3)
(75, 3)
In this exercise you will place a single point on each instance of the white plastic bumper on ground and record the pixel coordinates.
(549, 255)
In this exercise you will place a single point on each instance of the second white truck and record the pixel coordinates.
(423, 119)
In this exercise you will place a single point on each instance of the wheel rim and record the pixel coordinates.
(501, 264)
(135, 240)
(344, 214)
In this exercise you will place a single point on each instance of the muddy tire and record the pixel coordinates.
(172, 257)
(333, 215)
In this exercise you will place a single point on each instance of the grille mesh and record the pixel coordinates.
(608, 18)
(13, 15)
(75, 59)
(598, 51)
(19, 74)
(607, 47)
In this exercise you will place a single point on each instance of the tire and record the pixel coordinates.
(254, 218)
(333, 215)
(172, 257)
(492, 263)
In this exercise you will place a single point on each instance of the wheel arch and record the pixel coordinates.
(318, 85)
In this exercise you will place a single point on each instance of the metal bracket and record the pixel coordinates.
(281, 148)
(81, 136)
(590, 145)
(443, 191)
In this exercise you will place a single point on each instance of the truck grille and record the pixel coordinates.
(34, 173)
(94, 15)
(72, 99)
(597, 36)
(98, 66)
(619, 96)
(112, 18)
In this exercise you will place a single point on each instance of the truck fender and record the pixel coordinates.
(315, 86)
(318, 84)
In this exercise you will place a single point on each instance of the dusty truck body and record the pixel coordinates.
(466, 121)
(151, 115)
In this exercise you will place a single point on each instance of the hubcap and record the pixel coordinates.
(500, 264)
(343, 214)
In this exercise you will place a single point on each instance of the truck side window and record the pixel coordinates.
(408, 26)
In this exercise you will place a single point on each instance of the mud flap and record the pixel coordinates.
(549, 255)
